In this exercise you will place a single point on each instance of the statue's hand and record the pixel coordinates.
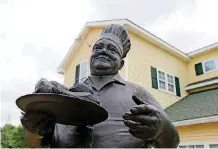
(145, 121)
(38, 122)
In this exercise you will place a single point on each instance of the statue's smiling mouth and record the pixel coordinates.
(103, 57)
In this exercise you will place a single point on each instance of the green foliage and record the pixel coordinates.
(12, 136)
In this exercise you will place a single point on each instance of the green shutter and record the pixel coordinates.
(154, 78)
(77, 74)
(198, 69)
(177, 87)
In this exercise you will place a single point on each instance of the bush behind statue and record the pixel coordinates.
(12, 136)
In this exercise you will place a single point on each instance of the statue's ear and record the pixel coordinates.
(121, 64)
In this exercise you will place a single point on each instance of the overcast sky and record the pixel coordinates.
(36, 35)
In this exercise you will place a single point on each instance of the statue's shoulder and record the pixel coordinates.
(144, 94)
(140, 91)
(135, 87)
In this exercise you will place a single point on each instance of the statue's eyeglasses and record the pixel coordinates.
(109, 48)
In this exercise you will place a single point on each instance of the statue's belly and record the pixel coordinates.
(113, 133)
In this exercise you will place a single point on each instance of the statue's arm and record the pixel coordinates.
(169, 137)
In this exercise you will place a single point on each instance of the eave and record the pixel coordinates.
(201, 120)
(203, 50)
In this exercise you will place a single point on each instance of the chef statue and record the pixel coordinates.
(135, 118)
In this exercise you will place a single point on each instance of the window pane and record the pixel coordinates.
(170, 79)
(161, 75)
(210, 65)
(83, 71)
(199, 146)
(213, 145)
(191, 146)
(162, 84)
(171, 88)
(182, 146)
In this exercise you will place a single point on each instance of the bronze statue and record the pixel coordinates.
(135, 119)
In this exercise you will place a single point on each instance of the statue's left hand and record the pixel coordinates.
(145, 121)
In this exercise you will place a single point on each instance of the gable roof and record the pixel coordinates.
(131, 27)
(139, 31)
(195, 105)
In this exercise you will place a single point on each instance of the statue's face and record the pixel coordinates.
(105, 58)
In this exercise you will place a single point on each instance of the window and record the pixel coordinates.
(191, 146)
(166, 82)
(82, 72)
(209, 65)
(199, 145)
(206, 66)
(214, 145)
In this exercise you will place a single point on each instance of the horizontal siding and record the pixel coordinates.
(191, 67)
(142, 56)
(207, 132)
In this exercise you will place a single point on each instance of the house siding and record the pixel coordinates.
(206, 132)
(142, 56)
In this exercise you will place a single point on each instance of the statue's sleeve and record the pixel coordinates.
(147, 97)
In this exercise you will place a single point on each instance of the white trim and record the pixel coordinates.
(203, 50)
(131, 27)
(196, 121)
(201, 84)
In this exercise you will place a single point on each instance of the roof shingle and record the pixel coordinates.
(195, 105)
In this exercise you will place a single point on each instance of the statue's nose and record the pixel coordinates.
(104, 49)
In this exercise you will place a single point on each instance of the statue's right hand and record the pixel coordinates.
(38, 122)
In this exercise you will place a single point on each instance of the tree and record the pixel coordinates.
(12, 136)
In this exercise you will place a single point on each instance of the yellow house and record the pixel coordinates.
(185, 84)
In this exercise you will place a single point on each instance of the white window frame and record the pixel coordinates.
(82, 78)
(166, 82)
(216, 65)
(205, 144)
